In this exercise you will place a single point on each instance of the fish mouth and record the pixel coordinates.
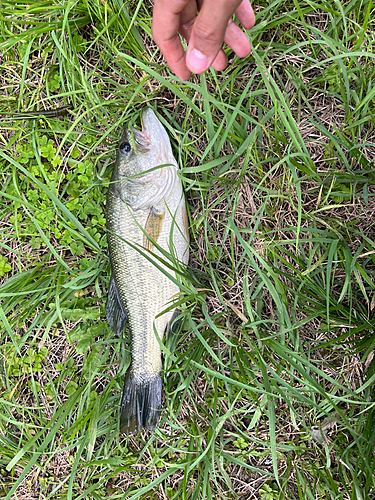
(142, 141)
(155, 135)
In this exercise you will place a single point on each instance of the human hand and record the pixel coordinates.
(205, 32)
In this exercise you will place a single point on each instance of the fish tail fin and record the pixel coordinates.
(141, 402)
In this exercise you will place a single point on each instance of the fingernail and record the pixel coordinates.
(196, 60)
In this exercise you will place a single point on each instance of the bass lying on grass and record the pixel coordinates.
(146, 215)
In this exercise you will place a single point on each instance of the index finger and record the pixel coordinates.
(165, 26)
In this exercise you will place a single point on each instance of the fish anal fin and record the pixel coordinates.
(153, 227)
(115, 312)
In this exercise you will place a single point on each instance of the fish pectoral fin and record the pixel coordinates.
(153, 227)
(115, 312)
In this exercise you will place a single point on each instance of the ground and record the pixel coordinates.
(269, 384)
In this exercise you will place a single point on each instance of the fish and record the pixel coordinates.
(145, 216)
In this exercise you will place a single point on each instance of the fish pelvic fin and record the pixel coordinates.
(114, 310)
(141, 402)
(174, 323)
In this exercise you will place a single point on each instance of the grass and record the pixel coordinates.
(270, 384)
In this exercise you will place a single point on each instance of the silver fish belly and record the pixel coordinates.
(145, 210)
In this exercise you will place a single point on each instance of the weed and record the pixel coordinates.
(276, 156)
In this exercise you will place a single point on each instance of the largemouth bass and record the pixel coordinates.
(145, 210)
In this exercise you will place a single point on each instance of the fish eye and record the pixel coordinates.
(125, 147)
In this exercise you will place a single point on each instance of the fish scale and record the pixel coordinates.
(139, 291)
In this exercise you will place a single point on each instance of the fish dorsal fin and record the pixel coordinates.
(159, 188)
(153, 227)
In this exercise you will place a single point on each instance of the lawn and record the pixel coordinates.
(269, 385)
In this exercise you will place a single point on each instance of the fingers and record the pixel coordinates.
(205, 32)
(220, 62)
(236, 39)
(165, 27)
(186, 27)
(208, 33)
(212, 26)
(245, 14)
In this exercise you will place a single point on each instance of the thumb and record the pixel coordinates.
(208, 33)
